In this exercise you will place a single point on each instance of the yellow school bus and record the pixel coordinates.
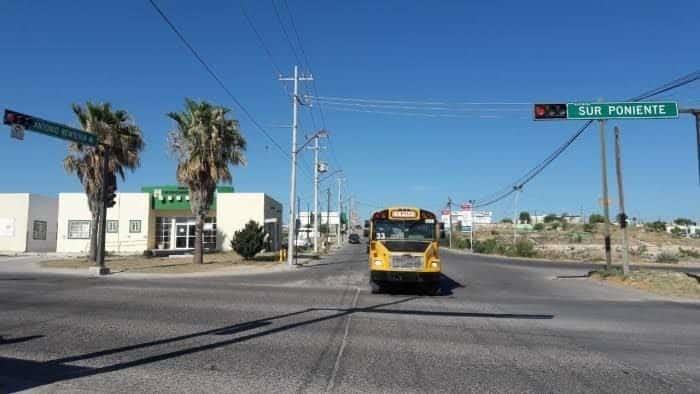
(403, 249)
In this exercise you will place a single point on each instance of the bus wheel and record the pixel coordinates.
(374, 287)
(434, 290)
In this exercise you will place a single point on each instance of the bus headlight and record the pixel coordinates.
(378, 263)
(434, 264)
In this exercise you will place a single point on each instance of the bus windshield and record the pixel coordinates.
(415, 230)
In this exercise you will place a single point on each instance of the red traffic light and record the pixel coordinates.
(550, 111)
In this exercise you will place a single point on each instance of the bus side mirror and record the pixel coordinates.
(442, 230)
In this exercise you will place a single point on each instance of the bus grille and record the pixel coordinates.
(406, 262)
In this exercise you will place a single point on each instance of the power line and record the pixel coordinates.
(407, 113)
(384, 101)
(414, 107)
(217, 79)
(284, 31)
(527, 177)
(306, 59)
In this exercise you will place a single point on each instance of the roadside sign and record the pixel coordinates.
(17, 131)
(622, 110)
(49, 128)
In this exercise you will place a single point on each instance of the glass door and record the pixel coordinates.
(181, 236)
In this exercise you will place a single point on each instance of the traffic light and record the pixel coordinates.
(12, 117)
(111, 195)
(550, 111)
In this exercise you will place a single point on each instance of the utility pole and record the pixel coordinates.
(515, 211)
(696, 113)
(316, 227)
(449, 217)
(471, 233)
(293, 182)
(606, 200)
(340, 210)
(328, 214)
(621, 196)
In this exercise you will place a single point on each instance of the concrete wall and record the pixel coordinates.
(234, 210)
(43, 209)
(14, 209)
(129, 206)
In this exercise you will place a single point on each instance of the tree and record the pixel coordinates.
(525, 217)
(249, 241)
(658, 226)
(551, 218)
(506, 220)
(684, 222)
(205, 143)
(113, 127)
(596, 218)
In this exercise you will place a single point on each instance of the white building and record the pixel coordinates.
(467, 217)
(27, 223)
(160, 219)
(306, 223)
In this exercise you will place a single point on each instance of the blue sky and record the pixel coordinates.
(58, 53)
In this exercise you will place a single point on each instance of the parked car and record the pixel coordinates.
(354, 238)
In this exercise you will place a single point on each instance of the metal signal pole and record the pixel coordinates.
(101, 225)
(293, 182)
(606, 200)
(449, 217)
(515, 212)
(621, 196)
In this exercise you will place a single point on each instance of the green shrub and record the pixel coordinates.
(461, 243)
(249, 241)
(607, 272)
(538, 227)
(657, 226)
(523, 248)
(554, 225)
(676, 231)
(489, 246)
(693, 254)
(666, 258)
(576, 238)
(589, 228)
(596, 218)
(551, 218)
(507, 220)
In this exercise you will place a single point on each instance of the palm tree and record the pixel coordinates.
(205, 143)
(113, 127)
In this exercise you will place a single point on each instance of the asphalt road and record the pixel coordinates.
(499, 327)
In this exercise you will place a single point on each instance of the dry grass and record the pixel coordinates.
(174, 265)
(666, 283)
(577, 245)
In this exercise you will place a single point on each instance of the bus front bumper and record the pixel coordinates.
(405, 277)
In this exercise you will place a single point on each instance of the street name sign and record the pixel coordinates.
(622, 110)
(49, 128)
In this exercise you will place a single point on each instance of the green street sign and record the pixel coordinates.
(49, 128)
(624, 110)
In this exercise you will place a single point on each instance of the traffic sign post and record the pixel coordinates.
(622, 110)
(47, 127)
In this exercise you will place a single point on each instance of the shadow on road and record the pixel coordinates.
(17, 374)
(4, 341)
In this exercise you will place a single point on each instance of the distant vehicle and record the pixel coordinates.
(403, 248)
(302, 243)
(354, 238)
